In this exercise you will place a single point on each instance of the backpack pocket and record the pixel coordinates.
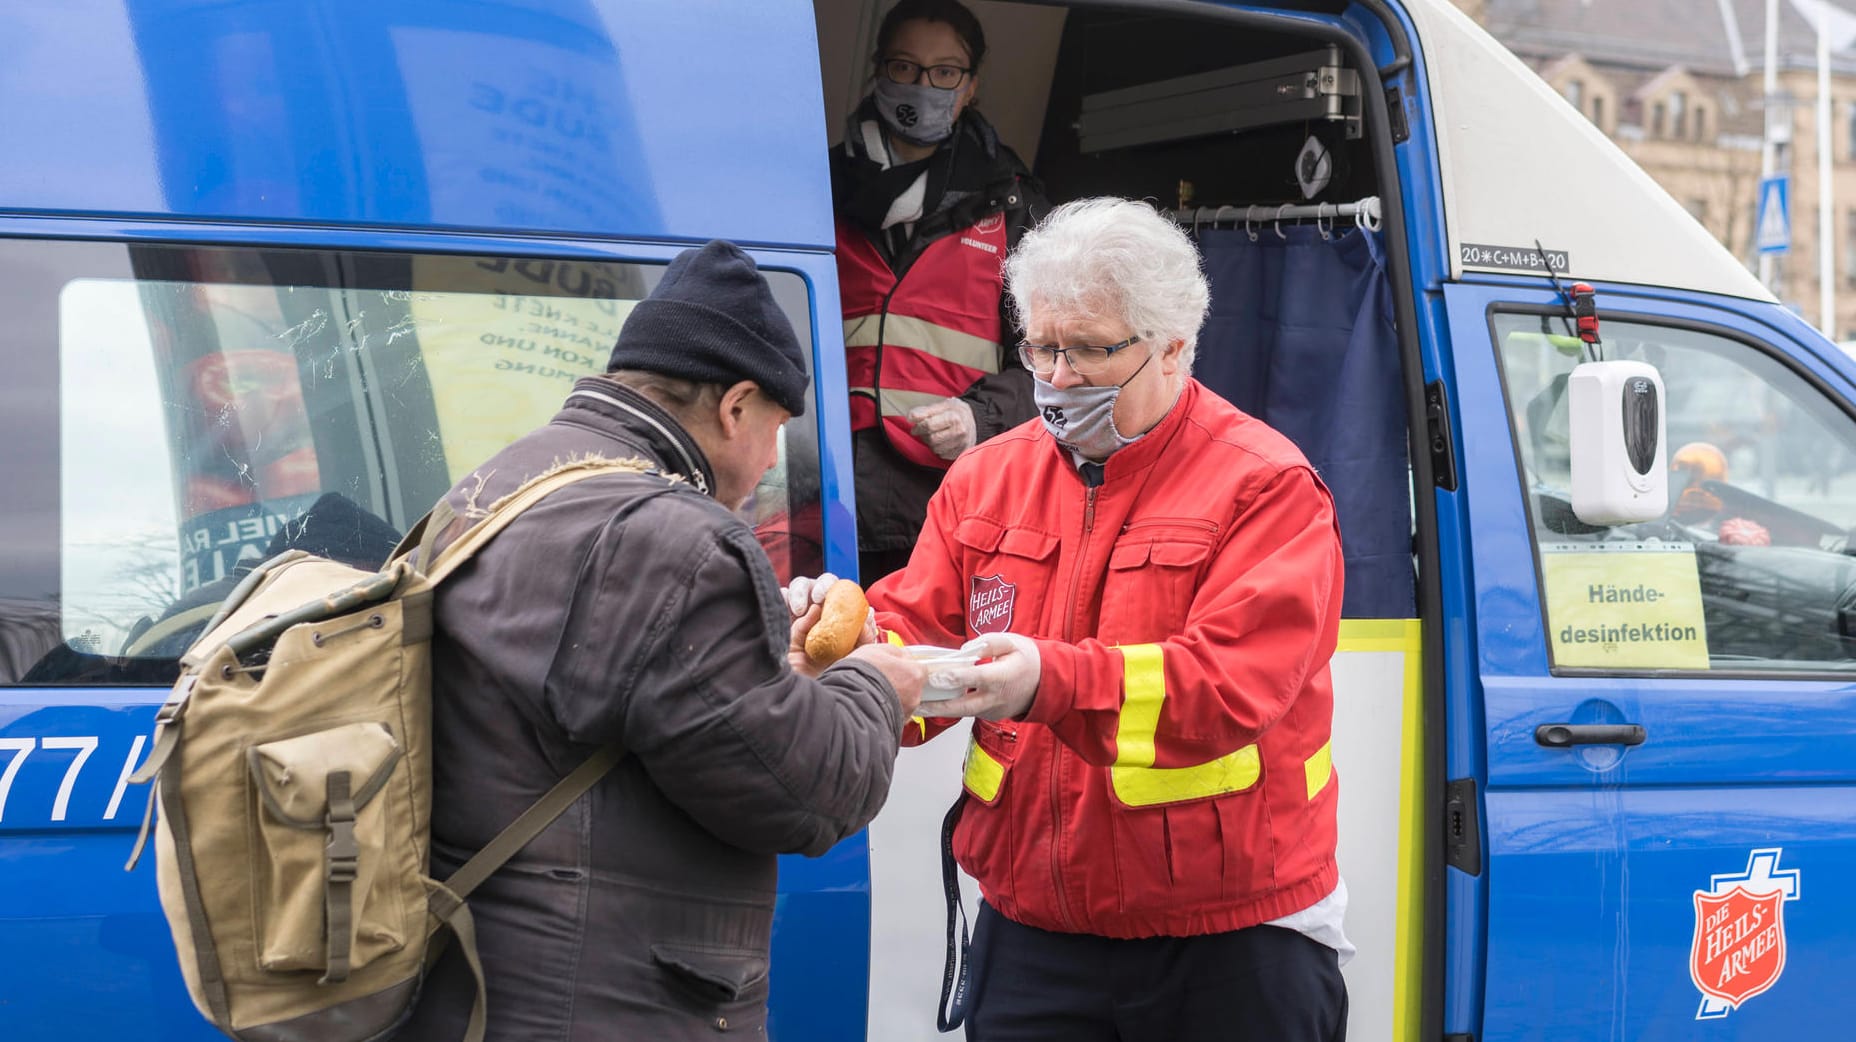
(321, 839)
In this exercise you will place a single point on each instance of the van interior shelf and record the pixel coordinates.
(1313, 85)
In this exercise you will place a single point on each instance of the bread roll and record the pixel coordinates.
(836, 632)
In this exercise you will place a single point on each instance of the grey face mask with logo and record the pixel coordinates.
(1082, 418)
(916, 112)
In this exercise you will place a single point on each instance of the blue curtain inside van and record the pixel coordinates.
(1300, 336)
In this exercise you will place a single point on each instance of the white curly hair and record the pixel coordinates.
(1113, 256)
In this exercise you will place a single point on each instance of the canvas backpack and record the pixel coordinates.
(293, 767)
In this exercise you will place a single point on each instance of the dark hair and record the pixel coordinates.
(965, 23)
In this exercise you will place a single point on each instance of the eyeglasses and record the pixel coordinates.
(943, 77)
(1084, 361)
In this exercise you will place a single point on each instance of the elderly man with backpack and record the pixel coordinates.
(559, 738)
(636, 609)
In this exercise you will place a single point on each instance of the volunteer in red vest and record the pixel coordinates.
(929, 201)
(1153, 580)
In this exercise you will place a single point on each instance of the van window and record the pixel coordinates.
(177, 414)
(1753, 568)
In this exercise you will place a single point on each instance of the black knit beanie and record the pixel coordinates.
(713, 320)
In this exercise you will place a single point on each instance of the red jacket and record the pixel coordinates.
(1173, 775)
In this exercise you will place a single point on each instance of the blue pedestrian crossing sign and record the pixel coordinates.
(1772, 230)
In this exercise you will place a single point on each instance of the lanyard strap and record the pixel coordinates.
(953, 983)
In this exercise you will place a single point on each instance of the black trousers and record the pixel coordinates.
(1262, 984)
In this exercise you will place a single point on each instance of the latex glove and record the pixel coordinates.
(805, 599)
(1002, 689)
(804, 593)
(946, 426)
(905, 673)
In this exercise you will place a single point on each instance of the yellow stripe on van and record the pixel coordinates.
(1403, 636)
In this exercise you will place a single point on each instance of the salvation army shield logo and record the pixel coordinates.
(989, 604)
(1739, 948)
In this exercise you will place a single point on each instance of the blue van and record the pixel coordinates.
(275, 274)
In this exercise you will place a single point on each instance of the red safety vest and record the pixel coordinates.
(928, 334)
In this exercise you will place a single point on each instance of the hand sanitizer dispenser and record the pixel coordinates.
(1616, 416)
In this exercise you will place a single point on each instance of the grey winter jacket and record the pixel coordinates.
(645, 911)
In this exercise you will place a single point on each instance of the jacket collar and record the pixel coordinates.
(1148, 448)
(622, 413)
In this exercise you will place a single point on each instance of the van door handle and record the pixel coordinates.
(1562, 736)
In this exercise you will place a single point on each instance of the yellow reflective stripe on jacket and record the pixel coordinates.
(974, 352)
(983, 773)
(1137, 782)
(1320, 769)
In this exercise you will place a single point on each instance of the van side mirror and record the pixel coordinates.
(1617, 418)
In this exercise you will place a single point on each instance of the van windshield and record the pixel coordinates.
(183, 413)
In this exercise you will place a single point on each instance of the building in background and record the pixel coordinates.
(1678, 85)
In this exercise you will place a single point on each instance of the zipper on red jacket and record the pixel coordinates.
(1082, 554)
(1057, 749)
(1056, 846)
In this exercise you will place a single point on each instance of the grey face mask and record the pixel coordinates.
(1082, 418)
(916, 112)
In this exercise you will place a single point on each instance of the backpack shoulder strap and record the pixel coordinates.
(423, 534)
(506, 510)
(446, 903)
(528, 825)
(543, 811)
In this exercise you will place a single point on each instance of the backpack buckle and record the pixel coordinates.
(342, 854)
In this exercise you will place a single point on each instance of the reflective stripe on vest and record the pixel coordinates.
(951, 345)
(1137, 782)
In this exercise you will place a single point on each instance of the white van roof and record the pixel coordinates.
(1520, 164)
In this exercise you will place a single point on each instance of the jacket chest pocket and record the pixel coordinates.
(1008, 573)
(1154, 571)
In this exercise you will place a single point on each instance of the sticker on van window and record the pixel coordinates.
(1624, 605)
(1739, 946)
(1512, 258)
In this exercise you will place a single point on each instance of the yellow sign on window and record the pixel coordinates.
(502, 356)
(1624, 605)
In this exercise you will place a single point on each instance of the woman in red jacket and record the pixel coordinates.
(929, 201)
(1155, 577)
